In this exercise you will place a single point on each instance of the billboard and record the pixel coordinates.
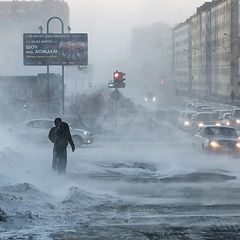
(55, 49)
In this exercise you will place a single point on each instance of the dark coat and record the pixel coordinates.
(63, 136)
(52, 134)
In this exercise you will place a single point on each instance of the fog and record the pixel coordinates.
(141, 173)
(110, 27)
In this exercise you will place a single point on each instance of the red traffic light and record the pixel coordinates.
(117, 75)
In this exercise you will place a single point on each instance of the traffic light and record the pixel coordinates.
(118, 80)
(117, 76)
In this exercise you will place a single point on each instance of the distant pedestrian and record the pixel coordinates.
(232, 95)
(60, 135)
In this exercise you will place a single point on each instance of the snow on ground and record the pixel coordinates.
(149, 174)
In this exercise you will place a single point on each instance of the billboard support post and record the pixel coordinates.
(48, 83)
(55, 49)
(48, 91)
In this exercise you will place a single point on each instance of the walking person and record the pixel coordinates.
(60, 135)
(232, 95)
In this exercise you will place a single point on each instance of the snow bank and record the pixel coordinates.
(81, 199)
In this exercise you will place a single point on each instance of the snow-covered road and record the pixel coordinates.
(129, 188)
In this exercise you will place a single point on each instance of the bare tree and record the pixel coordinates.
(88, 108)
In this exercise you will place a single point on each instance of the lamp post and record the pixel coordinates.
(48, 83)
(69, 29)
(41, 29)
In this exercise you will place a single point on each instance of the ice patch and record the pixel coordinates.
(199, 177)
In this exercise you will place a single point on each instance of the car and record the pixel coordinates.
(236, 113)
(227, 119)
(200, 107)
(236, 117)
(207, 109)
(217, 139)
(222, 112)
(150, 97)
(36, 130)
(191, 105)
(200, 119)
(184, 120)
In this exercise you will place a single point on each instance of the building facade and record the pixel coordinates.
(27, 16)
(221, 50)
(182, 58)
(197, 55)
(214, 50)
(29, 93)
(151, 54)
(18, 17)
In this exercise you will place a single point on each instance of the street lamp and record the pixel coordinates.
(69, 29)
(41, 29)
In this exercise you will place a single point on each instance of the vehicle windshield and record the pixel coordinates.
(221, 131)
(207, 117)
(188, 115)
(227, 116)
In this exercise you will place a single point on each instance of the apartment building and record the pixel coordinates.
(221, 52)
(197, 55)
(31, 91)
(214, 50)
(182, 58)
(151, 51)
(18, 17)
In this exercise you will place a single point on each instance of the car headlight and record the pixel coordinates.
(154, 99)
(238, 121)
(186, 123)
(238, 145)
(214, 144)
(146, 99)
(85, 133)
(218, 124)
(227, 123)
(200, 125)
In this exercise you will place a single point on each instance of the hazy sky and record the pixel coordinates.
(104, 13)
(111, 21)
(109, 24)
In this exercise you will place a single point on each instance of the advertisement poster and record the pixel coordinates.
(55, 49)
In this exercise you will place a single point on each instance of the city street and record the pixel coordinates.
(120, 120)
(121, 187)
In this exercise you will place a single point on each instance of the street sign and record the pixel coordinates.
(116, 85)
(111, 85)
(55, 49)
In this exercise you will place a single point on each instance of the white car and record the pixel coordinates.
(184, 120)
(37, 130)
(204, 118)
(200, 107)
(217, 139)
